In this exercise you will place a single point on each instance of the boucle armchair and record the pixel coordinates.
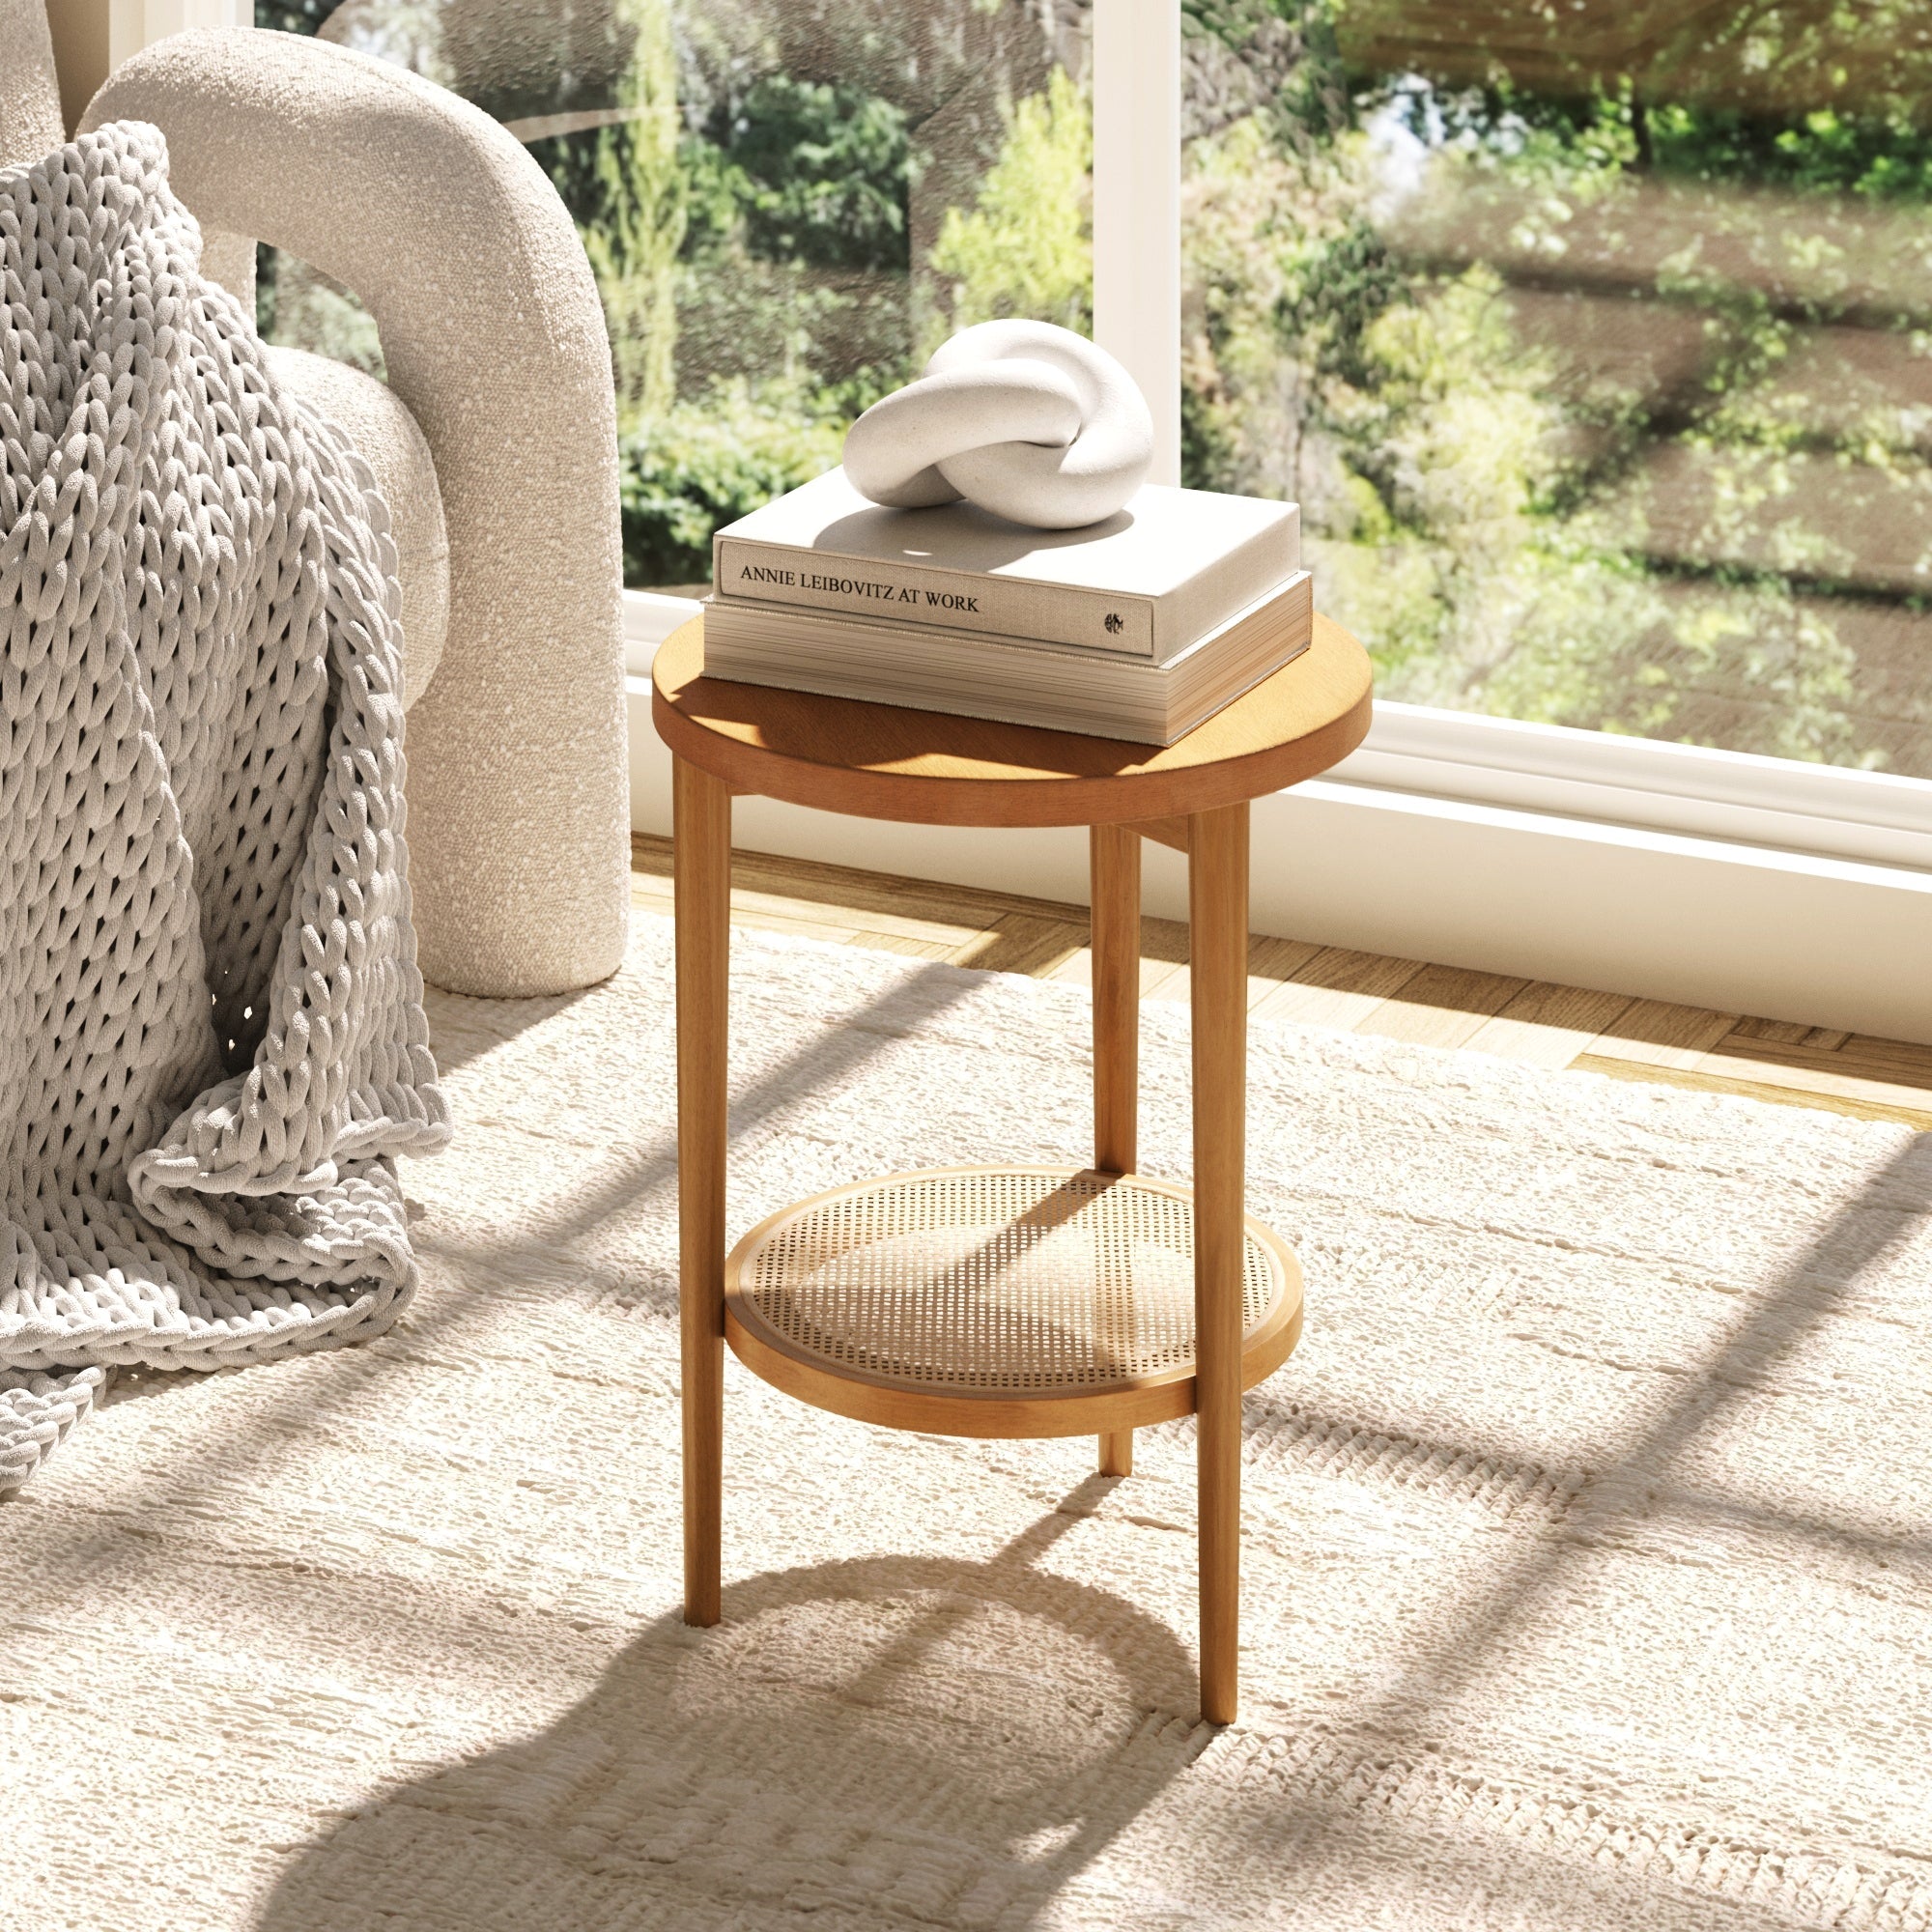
(495, 443)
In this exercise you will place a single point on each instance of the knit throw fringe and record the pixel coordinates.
(212, 1037)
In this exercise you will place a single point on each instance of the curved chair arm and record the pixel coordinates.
(493, 336)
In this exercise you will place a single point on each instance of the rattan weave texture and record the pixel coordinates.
(1004, 1282)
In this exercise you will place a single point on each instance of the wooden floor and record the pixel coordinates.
(1324, 985)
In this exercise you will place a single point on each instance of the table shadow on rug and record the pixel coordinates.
(881, 1741)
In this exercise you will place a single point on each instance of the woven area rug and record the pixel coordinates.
(1589, 1579)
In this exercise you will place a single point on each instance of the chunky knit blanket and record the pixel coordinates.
(212, 1037)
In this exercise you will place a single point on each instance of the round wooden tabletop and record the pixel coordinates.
(933, 768)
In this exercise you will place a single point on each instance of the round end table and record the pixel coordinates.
(1012, 1301)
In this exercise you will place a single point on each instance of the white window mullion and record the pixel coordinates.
(133, 25)
(1137, 206)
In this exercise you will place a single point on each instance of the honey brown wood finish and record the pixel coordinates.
(1113, 866)
(1217, 903)
(702, 808)
(882, 761)
(885, 762)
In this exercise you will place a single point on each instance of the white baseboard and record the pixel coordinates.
(1708, 923)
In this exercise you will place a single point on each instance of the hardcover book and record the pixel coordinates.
(1146, 583)
(1047, 685)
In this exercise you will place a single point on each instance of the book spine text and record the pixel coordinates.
(1096, 621)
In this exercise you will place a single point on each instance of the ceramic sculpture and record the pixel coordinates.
(1027, 420)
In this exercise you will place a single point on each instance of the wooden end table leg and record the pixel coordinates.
(1115, 887)
(702, 876)
(1217, 915)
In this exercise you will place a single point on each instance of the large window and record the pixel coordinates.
(1596, 342)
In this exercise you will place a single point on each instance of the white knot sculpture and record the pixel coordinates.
(1027, 420)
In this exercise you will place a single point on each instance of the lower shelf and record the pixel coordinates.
(995, 1301)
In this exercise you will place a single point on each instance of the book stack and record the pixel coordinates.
(1138, 627)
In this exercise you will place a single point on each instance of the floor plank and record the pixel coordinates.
(1337, 988)
(1275, 962)
(1894, 1080)
(1077, 970)
(1271, 963)
(1163, 954)
(1887, 1059)
(807, 910)
(848, 888)
(757, 919)
(1440, 1006)
(1656, 1034)
(1021, 943)
(1549, 1025)
(1778, 1032)
(1884, 1061)
(1163, 958)
(897, 942)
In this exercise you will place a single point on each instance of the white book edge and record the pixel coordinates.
(808, 573)
(957, 644)
(1052, 687)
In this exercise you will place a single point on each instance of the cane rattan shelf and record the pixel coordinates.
(996, 1301)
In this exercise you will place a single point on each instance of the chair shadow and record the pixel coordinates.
(903, 1739)
(463, 1027)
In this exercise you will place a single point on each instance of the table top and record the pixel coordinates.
(933, 768)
